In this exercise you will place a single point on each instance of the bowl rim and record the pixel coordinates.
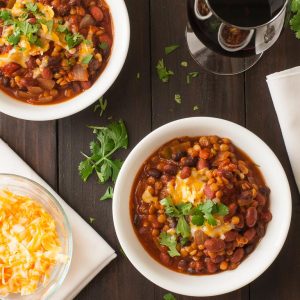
(57, 283)
(140, 264)
(121, 28)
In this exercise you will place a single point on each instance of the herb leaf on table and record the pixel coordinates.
(163, 73)
(295, 19)
(107, 141)
(169, 296)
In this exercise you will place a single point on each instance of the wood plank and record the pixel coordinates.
(35, 142)
(129, 99)
(216, 96)
(280, 281)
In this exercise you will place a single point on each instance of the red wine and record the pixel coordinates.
(237, 27)
(246, 13)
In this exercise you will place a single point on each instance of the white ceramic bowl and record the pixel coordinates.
(198, 14)
(268, 248)
(121, 37)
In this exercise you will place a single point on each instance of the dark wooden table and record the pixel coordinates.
(53, 148)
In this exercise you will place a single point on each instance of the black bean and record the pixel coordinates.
(177, 156)
(265, 191)
(191, 161)
(154, 173)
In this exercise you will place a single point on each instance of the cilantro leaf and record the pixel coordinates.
(170, 208)
(61, 28)
(295, 19)
(198, 220)
(171, 48)
(222, 209)
(103, 45)
(185, 209)
(108, 140)
(169, 296)
(14, 38)
(108, 194)
(183, 227)
(87, 59)
(5, 15)
(177, 98)
(31, 7)
(169, 241)
(162, 72)
(73, 40)
(210, 219)
(295, 6)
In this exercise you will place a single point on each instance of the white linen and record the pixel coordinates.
(90, 252)
(285, 91)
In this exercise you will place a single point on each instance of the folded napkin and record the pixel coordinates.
(90, 252)
(285, 91)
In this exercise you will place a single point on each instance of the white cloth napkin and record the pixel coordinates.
(285, 91)
(90, 252)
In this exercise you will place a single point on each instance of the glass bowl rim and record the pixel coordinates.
(58, 281)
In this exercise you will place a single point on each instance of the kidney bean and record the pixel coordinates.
(262, 200)
(154, 173)
(266, 216)
(178, 155)
(214, 245)
(232, 208)
(97, 13)
(185, 172)
(170, 169)
(245, 202)
(264, 190)
(199, 266)
(237, 255)
(217, 259)
(85, 84)
(202, 164)
(10, 68)
(211, 267)
(165, 258)
(31, 20)
(208, 192)
(230, 236)
(251, 216)
(191, 161)
(250, 234)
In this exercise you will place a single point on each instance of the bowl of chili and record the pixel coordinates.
(58, 57)
(197, 205)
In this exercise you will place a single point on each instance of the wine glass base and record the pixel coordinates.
(217, 63)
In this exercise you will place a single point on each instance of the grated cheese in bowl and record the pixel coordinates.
(31, 249)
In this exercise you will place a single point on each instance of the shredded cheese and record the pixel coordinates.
(29, 244)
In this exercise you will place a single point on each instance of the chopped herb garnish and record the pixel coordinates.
(92, 220)
(108, 140)
(169, 296)
(61, 28)
(103, 45)
(171, 48)
(87, 59)
(183, 228)
(5, 15)
(31, 7)
(162, 72)
(73, 40)
(195, 107)
(169, 241)
(177, 98)
(49, 24)
(191, 75)
(108, 194)
(184, 64)
(295, 19)
(102, 104)
(122, 252)
(14, 38)
(138, 75)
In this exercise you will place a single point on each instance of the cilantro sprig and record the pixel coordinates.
(169, 241)
(108, 140)
(163, 73)
(295, 19)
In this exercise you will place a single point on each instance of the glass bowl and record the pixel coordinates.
(26, 187)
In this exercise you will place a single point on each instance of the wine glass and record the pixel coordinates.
(228, 37)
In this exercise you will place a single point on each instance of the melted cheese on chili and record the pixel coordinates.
(187, 190)
(29, 244)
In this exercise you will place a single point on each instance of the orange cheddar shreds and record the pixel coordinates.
(29, 244)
